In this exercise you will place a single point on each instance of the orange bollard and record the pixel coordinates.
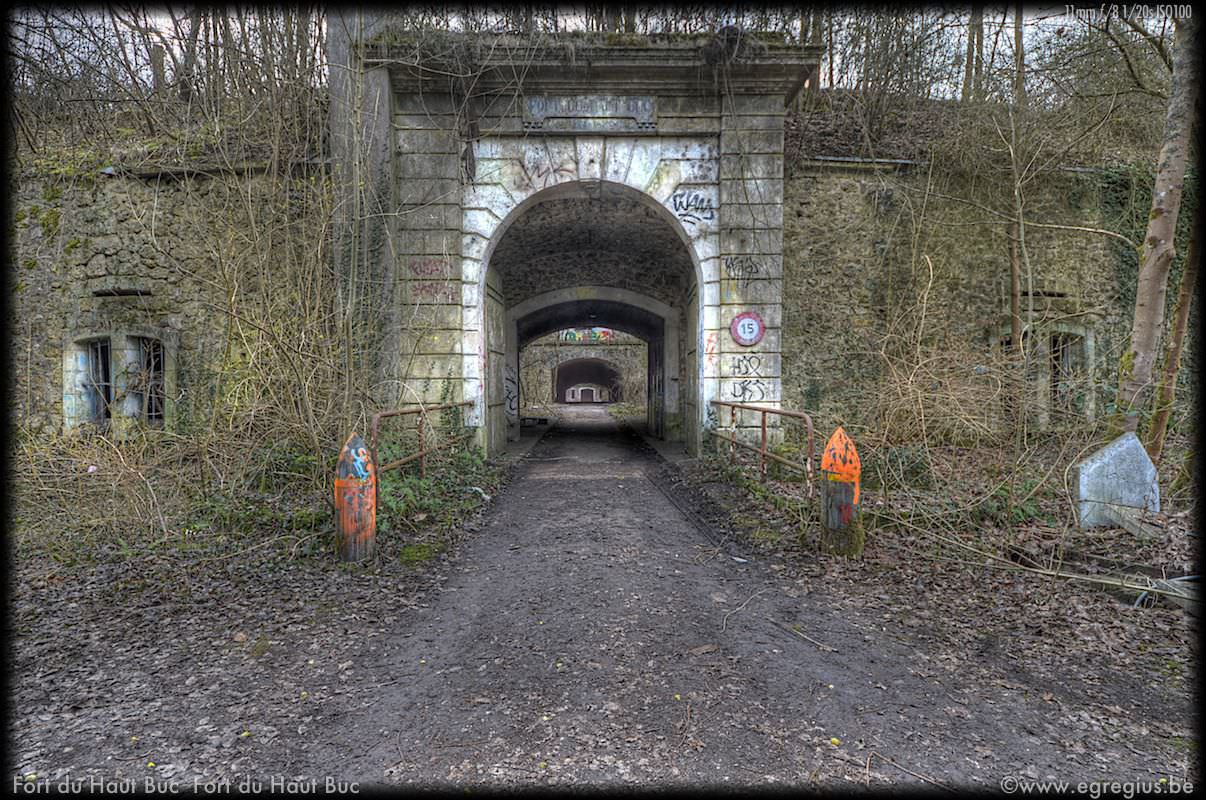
(841, 526)
(356, 500)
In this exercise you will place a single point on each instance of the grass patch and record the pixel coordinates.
(416, 554)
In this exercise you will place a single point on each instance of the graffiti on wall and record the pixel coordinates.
(434, 291)
(749, 390)
(427, 266)
(587, 335)
(711, 348)
(746, 366)
(511, 392)
(692, 207)
(742, 269)
(542, 176)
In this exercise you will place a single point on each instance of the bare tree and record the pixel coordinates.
(1137, 364)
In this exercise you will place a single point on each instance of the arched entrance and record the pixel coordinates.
(597, 253)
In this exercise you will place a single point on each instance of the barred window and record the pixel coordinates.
(147, 387)
(1067, 371)
(99, 386)
(117, 379)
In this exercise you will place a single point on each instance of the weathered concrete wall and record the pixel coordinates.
(851, 278)
(427, 246)
(664, 171)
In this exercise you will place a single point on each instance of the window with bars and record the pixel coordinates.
(113, 381)
(147, 386)
(1067, 353)
(99, 386)
(1060, 360)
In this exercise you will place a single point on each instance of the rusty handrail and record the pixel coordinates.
(762, 451)
(423, 451)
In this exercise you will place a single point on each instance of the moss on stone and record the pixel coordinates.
(50, 222)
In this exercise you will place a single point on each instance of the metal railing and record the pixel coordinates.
(423, 451)
(763, 452)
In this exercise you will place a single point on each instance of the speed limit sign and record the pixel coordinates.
(747, 328)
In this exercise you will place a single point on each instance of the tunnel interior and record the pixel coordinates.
(592, 372)
(609, 255)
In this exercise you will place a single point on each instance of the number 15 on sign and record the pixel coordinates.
(747, 328)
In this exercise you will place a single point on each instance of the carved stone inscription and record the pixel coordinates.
(590, 113)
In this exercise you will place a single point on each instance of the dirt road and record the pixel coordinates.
(591, 631)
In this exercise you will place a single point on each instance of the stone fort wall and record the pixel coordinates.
(137, 256)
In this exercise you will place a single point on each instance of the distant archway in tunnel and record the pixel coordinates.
(594, 371)
(585, 254)
(655, 323)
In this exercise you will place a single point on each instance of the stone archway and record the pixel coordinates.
(656, 242)
(448, 167)
(647, 318)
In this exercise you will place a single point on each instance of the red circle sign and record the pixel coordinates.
(747, 328)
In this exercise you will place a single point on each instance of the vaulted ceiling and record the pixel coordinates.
(602, 239)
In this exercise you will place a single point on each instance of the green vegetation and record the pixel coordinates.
(50, 222)
(67, 161)
(407, 502)
(413, 555)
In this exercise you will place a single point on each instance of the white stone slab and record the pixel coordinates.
(1119, 474)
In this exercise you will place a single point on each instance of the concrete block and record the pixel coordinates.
(617, 156)
(751, 142)
(761, 190)
(429, 191)
(474, 245)
(1119, 474)
(480, 221)
(664, 181)
(743, 240)
(646, 154)
(427, 141)
(700, 171)
(748, 167)
(490, 196)
(767, 216)
(590, 158)
(431, 216)
(428, 165)
(771, 313)
(688, 105)
(749, 390)
(688, 149)
(678, 125)
(695, 205)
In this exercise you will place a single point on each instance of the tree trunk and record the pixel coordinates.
(1019, 60)
(975, 54)
(1015, 291)
(829, 50)
(1135, 369)
(1167, 390)
(978, 72)
(157, 72)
